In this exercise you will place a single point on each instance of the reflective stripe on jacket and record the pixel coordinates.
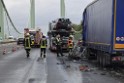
(43, 44)
(58, 41)
(27, 43)
(70, 44)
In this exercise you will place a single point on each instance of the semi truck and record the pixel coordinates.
(61, 26)
(103, 31)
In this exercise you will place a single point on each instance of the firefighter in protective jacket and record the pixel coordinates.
(27, 44)
(70, 43)
(43, 46)
(58, 45)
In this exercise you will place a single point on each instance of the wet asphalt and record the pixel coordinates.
(16, 68)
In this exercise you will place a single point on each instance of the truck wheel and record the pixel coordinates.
(100, 61)
(88, 54)
(98, 57)
(104, 61)
(101, 58)
(109, 60)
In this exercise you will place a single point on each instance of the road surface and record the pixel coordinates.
(16, 68)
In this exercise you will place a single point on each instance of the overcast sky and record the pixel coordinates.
(46, 11)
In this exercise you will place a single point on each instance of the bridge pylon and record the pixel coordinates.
(62, 8)
(1, 20)
(32, 14)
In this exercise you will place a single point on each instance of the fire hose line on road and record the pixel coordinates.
(26, 78)
(28, 71)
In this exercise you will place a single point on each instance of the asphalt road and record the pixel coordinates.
(16, 68)
(98, 75)
(59, 73)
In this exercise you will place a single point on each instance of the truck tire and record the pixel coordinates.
(108, 59)
(98, 57)
(101, 60)
(104, 60)
(88, 54)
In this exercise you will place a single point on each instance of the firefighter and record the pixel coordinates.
(80, 42)
(27, 44)
(70, 43)
(43, 46)
(58, 43)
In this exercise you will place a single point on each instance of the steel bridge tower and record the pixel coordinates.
(32, 14)
(1, 20)
(62, 8)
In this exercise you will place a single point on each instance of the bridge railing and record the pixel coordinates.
(7, 41)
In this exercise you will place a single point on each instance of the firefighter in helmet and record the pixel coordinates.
(58, 43)
(70, 43)
(43, 46)
(27, 44)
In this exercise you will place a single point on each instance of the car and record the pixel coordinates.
(11, 38)
(20, 41)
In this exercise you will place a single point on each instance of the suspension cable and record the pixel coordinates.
(7, 24)
(9, 17)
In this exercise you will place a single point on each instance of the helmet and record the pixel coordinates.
(44, 36)
(27, 34)
(71, 36)
(58, 35)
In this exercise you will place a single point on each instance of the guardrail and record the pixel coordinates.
(5, 42)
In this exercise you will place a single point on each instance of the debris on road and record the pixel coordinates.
(84, 68)
(13, 49)
(58, 63)
(118, 74)
(103, 73)
(68, 66)
(4, 51)
(95, 73)
(74, 60)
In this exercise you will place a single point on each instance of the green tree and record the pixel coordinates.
(78, 30)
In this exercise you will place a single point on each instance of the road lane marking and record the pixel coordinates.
(32, 70)
(9, 52)
(28, 72)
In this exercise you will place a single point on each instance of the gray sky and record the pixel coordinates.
(46, 11)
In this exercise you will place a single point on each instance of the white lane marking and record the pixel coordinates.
(36, 66)
(43, 82)
(9, 52)
(25, 79)
(46, 70)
